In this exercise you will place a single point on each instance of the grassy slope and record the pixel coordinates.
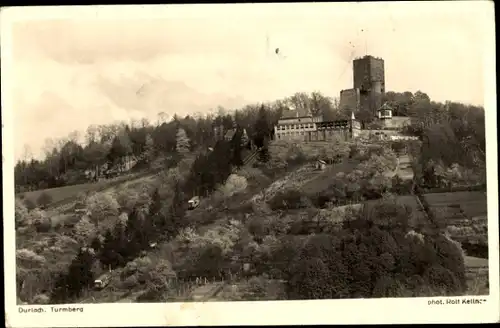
(315, 183)
(64, 195)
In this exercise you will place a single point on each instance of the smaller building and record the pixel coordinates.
(102, 281)
(384, 112)
(229, 135)
(350, 99)
(402, 137)
(194, 202)
(320, 165)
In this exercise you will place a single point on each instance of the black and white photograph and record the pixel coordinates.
(250, 153)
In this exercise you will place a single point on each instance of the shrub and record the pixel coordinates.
(29, 259)
(30, 204)
(257, 287)
(66, 242)
(376, 256)
(41, 299)
(257, 226)
(130, 282)
(234, 184)
(102, 205)
(150, 295)
(85, 230)
(129, 198)
(44, 199)
(254, 175)
(40, 220)
(288, 199)
(398, 147)
(159, 277)
(21, 214)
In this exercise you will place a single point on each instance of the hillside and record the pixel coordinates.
(275, 218)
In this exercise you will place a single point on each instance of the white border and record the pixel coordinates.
(371, 311)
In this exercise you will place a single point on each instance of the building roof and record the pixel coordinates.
(230, 134)
(295, 113)
(385, 106)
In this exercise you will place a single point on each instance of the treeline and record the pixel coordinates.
(452, 133)
(120, 245)
(377, 255)
(144, 226)
(66, 160)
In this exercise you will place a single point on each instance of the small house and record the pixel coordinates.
(384, 112)
(194, 202)
(102, 281)
(320, 165)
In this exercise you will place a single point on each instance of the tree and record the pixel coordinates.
(236, 142)
(85, 230)
(121, 148)
(40, 220)
(263, 155)
(21, 213)
(92, 134)
(376, 255)
(183, 143)
(262, 127)
(149, 149)
(79, 277)
(137, 240)
(101, 205)
(44, 200)
(96, 154)
(321, 105)
(96, 243)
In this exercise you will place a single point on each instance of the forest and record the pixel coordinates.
(357, 254)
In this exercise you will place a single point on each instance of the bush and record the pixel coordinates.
(257, 287)
(29, 259)
(288, 199)
(258, 227)
(398, 147)
(376, 256)
(102, 205)
(85, 230)
(30, 204)
(150, 295)
(40, 220)
(41, 299)
(44, 200)
(234, 184)
(160, 275)
(21, 214)
(129, 198)
(131, 282)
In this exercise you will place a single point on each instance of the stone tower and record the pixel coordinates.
(369, 79)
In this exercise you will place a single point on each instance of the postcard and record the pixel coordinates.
(250, 164)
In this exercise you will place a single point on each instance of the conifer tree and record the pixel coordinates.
(183, 143)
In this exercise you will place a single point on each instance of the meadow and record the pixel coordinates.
(63, 195)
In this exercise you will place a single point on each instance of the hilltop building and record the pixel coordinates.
(301, 125)
(368, 87)
(366, 95)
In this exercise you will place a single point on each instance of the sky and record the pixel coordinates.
(70, 68)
